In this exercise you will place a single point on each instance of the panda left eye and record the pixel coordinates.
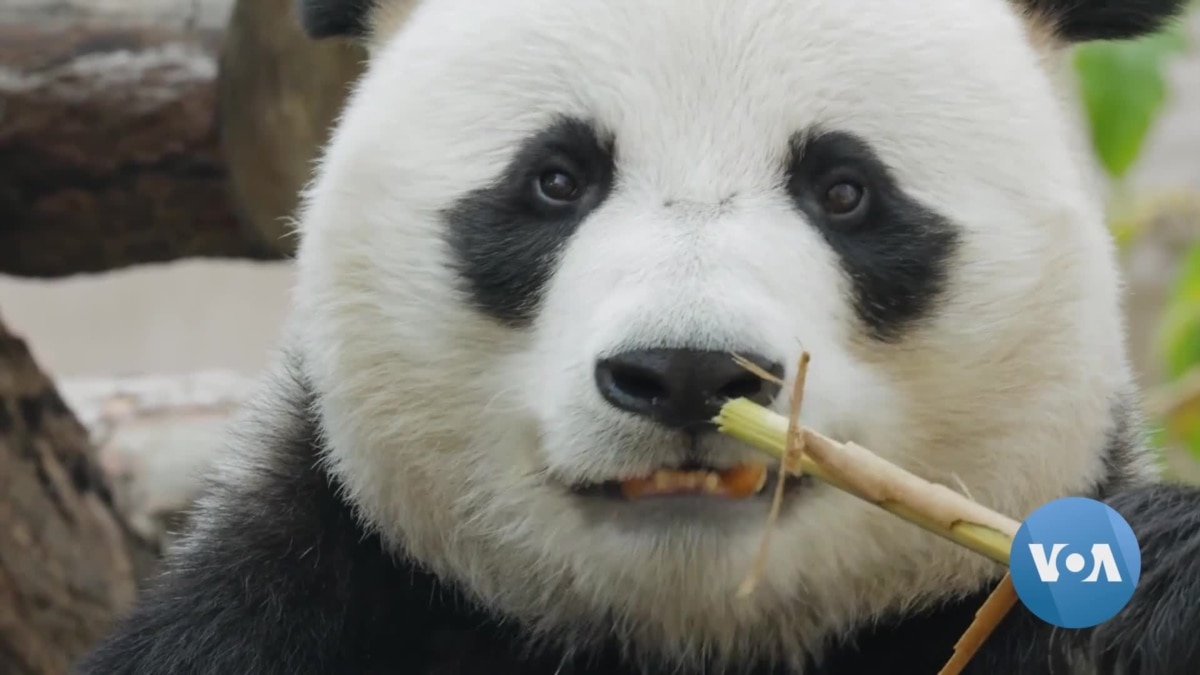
(557, 186)
(843, 198)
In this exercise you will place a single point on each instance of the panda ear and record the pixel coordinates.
(1074, 21)
(334, 18)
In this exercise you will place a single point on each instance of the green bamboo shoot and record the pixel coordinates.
(851, 468)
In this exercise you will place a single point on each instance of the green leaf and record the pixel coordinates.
(1184, 428)
(1179, 340)
(1124, 89)
(1179, 335)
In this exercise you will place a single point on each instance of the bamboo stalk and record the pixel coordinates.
(788, 465)
(989, 616)
(854, 469)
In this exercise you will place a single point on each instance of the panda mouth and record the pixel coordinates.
(744, 481)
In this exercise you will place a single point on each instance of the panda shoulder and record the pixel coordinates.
(272, 550)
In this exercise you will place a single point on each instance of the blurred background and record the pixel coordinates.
(150, 154)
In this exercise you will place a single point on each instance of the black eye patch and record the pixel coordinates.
(506, 237)
(895, 251)
(322, 19)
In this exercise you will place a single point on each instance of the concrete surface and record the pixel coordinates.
(187, 316)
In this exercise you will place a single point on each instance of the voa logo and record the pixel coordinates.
(1075, 562)
(1102, 559)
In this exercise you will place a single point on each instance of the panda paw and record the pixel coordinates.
(1158, 632)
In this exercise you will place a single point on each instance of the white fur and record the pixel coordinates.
(453, 433)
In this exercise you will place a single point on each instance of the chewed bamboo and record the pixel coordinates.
(853, 469)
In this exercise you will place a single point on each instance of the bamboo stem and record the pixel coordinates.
(853, 469)
(989, 616)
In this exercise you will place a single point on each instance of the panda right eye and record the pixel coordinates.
(557, 187)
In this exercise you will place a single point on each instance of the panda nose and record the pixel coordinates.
(682, 388)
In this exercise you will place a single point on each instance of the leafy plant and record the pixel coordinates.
(1180, 332)
(1179, 343)
(1124, 89)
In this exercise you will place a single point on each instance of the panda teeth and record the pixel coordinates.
(712, 482)
(737, 482)
(668, 481)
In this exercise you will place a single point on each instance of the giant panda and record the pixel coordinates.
(537, 233)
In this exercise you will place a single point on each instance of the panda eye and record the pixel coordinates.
(843, 197)
(557, 186)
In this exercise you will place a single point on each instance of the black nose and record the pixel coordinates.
(682, 388)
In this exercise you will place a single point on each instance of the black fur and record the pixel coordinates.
(897, 254)
(288, 583)
(1083, 20)
(506, 242)
(334, 18)
(1124, 452)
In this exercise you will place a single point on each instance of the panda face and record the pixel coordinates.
(542, 227)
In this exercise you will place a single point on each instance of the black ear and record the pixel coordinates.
(1083, 20)
(334, 18)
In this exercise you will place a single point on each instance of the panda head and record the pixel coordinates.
(541, 227)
